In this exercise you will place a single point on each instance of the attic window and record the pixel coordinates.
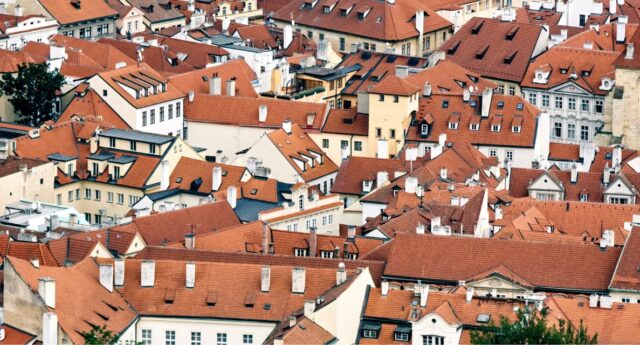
(254, 191)
(445, 104)
(326, 9)
(453, 48)
(475, 126)
(563, 71)
(520, 106)
(344, 12)
(515, 129)
(483, 318)
(473, 103)
(500, 105)
(481, 52)
(509, 58)
(476, 28)
(586, 73)
(512, 33)
(179, 180)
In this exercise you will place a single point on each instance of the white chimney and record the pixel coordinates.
(426, 91)
(443, 173)
(424, 294)
(292, 323)
(613, 8)
(225, 25)
(469, 296)
(231, 196)
(265, 279)
(384, 288)
(606, 302)
(262, 113)
(56, 52)
(588, 45)
(435, 223)
(18, 10)
(382, 177)
(309, 307)
(106, 276)
(487, 95)
(49, 329)
(119, 272)
(190, 240)
(410, 184)
(593, 299)
(606, 175)
(617, 156)
(216, 178)
(630, 51)
(574, 173)
(215, 85)
(147, 273)
(442, 139)
(383, 149)
(351, 232)
(192, 95)
(466, 95)
(286, 125)
(190, 275)
(621, 27)
(231, 87)
(297, 280)
(341, 274)
(47, 290)
(164, 175)
(288, 36)
(420, 229)
(311, 117)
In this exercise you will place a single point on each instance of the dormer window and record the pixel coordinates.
(116, 173)
(519, 106)
(445, 104)
(326, 9)
(300, 252)
(495, 128)
(515, 129)
(473, 103)
(563, 71)
(584, 197)
(474, 127)
(453, 125)
(366, 186)
(500, 105)
(424, 129)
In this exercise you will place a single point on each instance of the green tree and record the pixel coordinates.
(531, 327)
(33, 92)
(99, 335)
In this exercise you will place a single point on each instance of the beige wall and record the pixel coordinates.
(271, 158)
(34, 184)
(23, 308)
(334, 151)
(229, 138)
(387, 115)
(625, 121)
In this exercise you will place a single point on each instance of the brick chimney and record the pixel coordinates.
(313, 241)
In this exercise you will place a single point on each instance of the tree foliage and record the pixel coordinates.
(100, 335)
(531, 327)
(33, 92)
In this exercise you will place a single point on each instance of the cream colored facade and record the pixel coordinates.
(625, 118)
(132, 22)
(332, 145)
(389, 119)
(34, 184)
(250, 10)
(481, 8)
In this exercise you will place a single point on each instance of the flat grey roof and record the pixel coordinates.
(60, 157)
(136, 136)
(124, 159)
(102, 156)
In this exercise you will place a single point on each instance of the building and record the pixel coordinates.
(39, 217)
(403, 27)
(25, 179)
(158, 15)
(17, 30)
(130, 19)
(624, 121)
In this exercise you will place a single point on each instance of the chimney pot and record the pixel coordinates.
(119, 272)
(265, 279)
(341, 274)
(47, 290)
(147, 273)
(190, 275)
(298, 280)
(106, 276)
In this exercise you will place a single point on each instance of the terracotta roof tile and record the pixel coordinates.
(160, 60)
(198, 80)
(346, 121)
(198, 54)
(393, 85)
(89, 103)
(627, 275)
(449, 77)
(66, 13)
(189, 170)
(354, 170)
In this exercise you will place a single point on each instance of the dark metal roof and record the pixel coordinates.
(60, 157)
(136, 136)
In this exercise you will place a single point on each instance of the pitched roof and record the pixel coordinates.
(26, 251)
(154, 12)
(393, 85)
(196, 54)
(188, 170)
(12, 164)
(10, 60)
(78, 309)
(243, 111)
(627, 275)
(492, 48)
(346, 121)
(163, 61)
(298, 143)
(568, 267)
(66, 13)
(354, 170)
(89, 103)
(449, 77)
(103, 54)
(380, 20)
(564, 152)
(198, 80)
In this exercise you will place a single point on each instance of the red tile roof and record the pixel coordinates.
(89, 103)
(449, 77)
(198, 54)
(66, 13)
(355, 170)
(346, 121)
(627, 276)
(393, 85)
(564, 152)
(164, 62)
(188, 170)
(198, 80)
(568, 267)
(487, 47)
(103, 54)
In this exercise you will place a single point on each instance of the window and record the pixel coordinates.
(378, 132)
(152, 116)
(152, 148)
(326, 254)
(396, 99)
(104, 93)
(87, 217)
(515, 129)
(381, 98)
(178, 109)
(170, 111)
(373, 47)
(432, 340)
(533, 98)
(299, 251)
(572, 103)
(301, 202)
(133, 145)
(453, 125)
(196, 338)
(321, 36)
(599, 106)
(617, 200)
(221, 339)
(330, 219)
(112, 142)
(110, 197)
(325, 143)
(144, 118)
(392, 133)
(357, 145)
(545, 100)
(426, 43)
(626, 300)
(133, 200)
(70, 196)
(584, 105)
(98, 195)
(495, 128)
(170, 337)
(558, 102)
(545, 196)
(500, 89)
(342, 43)
(161, 114)
(120, 198)
(78, 194)
(146, 337)
(369, 334)
(571, 131)
(512, 90)
(343, 144)
(70, 170)
(310, 34)
(493, 153)
(509, 155)
(96, 169)
(584, 133)
(584, 197)
(98, 219)
(445, 104)
(557, 129)
(247, 338)
(401, 336)
(87, 193)
(59, 199)
(424, 129)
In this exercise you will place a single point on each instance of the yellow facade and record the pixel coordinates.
(389, 119)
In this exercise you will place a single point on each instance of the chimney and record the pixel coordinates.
(215, 85)
(73, 218)
(593, 299)
(231, 87)
(265, 238)
(466, 95)
(18, 10)
(435, 223)
(442, 139)
(426, 90)
(384, 288)
(420, 228)
(351, 232)
(424, 294)
(216, 179)
(265, 279)
(262, 113)
(410, 184)
(588, 45)
(311, 117)
(341, 274)
(630, 51)
(286, 125)
(613, 8)
(469, 294)
(383, 149)
(119, 272)
(443, 173)
(231, 196)
(621, 27)
(192, 95)
(147, 273)
(288, 36)
(487, 94)
(190, 275)
(309, 307)
(190, 240)
(381, 178)
(47, 290)
(56, 52)
(617, 156)
(35, 262)
(106, 276)
(574, 173)
(606, 175)
(292, 322)
(49, 328)
(606, 302)
(297, 280)
(164, 175)
(313, 241)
